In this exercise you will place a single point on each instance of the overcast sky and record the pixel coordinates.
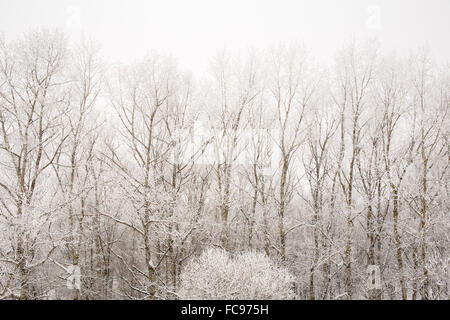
(192, 30)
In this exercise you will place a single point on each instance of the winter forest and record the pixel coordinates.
(272, 176)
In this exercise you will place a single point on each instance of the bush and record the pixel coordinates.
(215, 274)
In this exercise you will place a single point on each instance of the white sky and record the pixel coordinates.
(192, 30)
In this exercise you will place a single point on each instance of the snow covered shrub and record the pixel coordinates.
(215, 274)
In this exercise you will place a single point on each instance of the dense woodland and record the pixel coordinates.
(130, 172)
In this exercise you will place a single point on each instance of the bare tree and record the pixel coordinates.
(355, 73)
(74, 164)
(236, 90)
(291, 87)
(317, 169)
(33, 100)
(431, 106)
(143, 92)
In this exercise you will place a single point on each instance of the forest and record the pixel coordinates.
(271, 176)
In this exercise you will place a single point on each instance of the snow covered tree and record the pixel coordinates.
(33, 102)
(216, 274)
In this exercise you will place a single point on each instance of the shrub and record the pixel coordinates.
(215, 274)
